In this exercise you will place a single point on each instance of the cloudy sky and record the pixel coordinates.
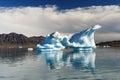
(40, 17)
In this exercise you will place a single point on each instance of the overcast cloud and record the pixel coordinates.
(34, 21)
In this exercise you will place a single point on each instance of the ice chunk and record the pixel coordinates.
(84, 39)
(30, 49)
(52, 42)
(96, 27)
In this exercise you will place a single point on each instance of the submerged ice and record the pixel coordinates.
(78, 41)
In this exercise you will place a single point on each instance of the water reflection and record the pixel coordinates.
(78, 60)
(12, 55)
(20, 64)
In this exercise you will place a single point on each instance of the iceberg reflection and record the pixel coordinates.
(78, 60)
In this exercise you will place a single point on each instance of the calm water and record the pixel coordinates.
(20, 64)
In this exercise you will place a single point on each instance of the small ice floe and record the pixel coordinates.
(30, 49)
(20, 47)
(106, 46)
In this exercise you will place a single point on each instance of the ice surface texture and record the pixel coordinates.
(52, 42)
(78, 41)
(84, 38)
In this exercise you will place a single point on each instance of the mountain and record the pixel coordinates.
(20, 39)
(109, 43)
(37, 39)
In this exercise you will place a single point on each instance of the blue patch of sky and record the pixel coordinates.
(61, 4)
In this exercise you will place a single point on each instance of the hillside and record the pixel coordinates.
(14, 39)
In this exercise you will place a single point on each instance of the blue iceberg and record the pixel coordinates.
(83, 40)
(52, 42)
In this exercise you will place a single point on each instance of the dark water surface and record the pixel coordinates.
(20, 64)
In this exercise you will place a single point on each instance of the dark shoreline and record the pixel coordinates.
(115, 43)
(19, 46)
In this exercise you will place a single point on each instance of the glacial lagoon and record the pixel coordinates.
(20, 64)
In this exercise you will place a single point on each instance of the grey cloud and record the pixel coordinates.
(41, 21)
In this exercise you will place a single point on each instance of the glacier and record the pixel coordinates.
(83, 40)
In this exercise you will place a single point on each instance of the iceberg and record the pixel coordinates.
(83, 40)
(52, 42)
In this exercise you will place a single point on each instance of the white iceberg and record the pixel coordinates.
(83, 40)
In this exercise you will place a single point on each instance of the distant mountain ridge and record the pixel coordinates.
(109, 43)
(14, 38)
